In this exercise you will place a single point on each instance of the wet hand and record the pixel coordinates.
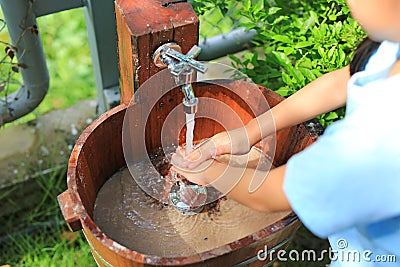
(234, 142)
(197, 175)
(192, 195)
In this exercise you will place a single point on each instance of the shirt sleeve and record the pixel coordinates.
(350, 176)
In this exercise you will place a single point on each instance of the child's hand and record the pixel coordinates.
(234, 142)
(195, 175)
(191, 197)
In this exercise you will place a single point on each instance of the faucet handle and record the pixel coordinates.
(186, 60)
(194, 52)
(169, 51)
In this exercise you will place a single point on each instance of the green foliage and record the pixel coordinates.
(203, 6)
(298, 41)
(217, 16)
(68, 58)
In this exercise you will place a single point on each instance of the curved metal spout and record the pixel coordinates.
(189, 101)
(182, 67)
(20, 19)
(188, 92)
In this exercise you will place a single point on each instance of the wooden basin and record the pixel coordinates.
(99, 153)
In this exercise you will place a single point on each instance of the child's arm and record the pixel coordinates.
(322, 95)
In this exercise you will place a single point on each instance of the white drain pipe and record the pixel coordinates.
(20, 19)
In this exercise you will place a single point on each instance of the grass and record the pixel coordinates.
(54, 246)
(33, 231)
(39, 236)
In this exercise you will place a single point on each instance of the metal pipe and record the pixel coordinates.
(42, 8)
(223, 44)
(21, 24)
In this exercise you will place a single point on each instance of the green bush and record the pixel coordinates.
(217, 16)
(297, 42)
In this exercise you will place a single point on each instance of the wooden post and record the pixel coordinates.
(144, 25)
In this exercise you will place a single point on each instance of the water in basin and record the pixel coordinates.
(129, 216)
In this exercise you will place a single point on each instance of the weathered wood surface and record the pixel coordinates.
(142, 27)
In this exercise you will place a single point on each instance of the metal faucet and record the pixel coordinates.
(182, 67)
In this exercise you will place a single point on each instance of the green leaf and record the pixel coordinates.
(298, 76)
(246, 4)
(257, 6)
(331, 116)
(288, 50)
(305, 63)
(332, 17)
(235, 59)
(281, 57)
(281, 38)
(273, 10)
(342, 57)
(308, 74)
(321, 51)
(284, 91)
(311, 21)
(279, 19)
(286, 78)
(248, 56)
(303, 44)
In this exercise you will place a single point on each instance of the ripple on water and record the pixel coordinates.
(129, 216)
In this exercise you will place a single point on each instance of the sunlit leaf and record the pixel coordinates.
(273, 10)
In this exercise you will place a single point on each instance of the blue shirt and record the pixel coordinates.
(346, 186)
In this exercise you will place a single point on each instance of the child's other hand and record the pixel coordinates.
(192, 198)
(195, 175)
(234, 142)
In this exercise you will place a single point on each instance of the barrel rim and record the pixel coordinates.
(87, 222)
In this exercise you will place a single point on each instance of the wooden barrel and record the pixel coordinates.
(98, 154)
